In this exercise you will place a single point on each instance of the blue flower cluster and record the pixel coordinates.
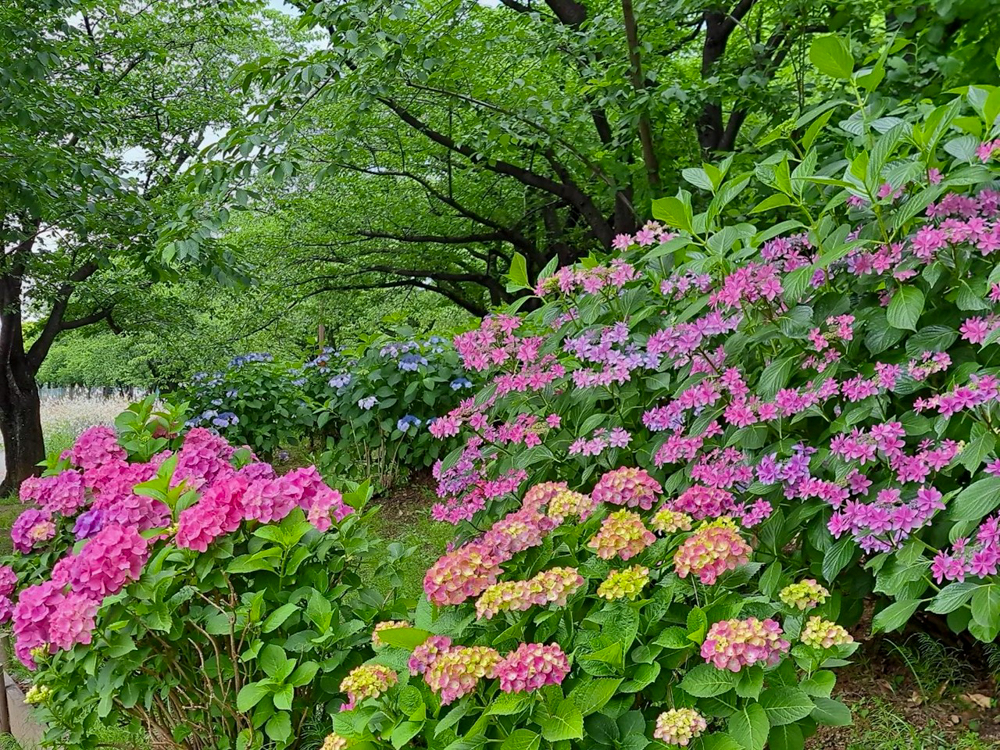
(404, 424)
(244, 359)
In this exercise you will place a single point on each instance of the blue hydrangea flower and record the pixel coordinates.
(459, 383)
(368, 402)
(404, 424)
(340, 381)
(412, 362)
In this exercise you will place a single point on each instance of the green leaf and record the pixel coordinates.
(518, 273)
(837, 557)
(250, 695)
(279, 727)
(749, 727)
(905, 308)
(522, 739)
(820, 684)
(674, 212)
(715, 741)
(986, 607)
(952, 596)
(274, 662)
(785, 705)
(751, 682)
(894, 616)
(408, 638)
(976, 501)
(705, 681)
(770, 202)
(405, 732)
(831, 56)
(592, 696)
(566, 723)
(508, 704)
(699, 178)
(831, 712)
(277, 618)
(786, 737)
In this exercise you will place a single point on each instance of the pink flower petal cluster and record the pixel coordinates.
(202, 459)
(95, 446)
(456, 671)
(553, 586)
(45, 617)
(63, 493)
(219, 511)
(532, 666)
(570, 280)
(322, 504)
(712, 550)
(31, 528)
(425, 654)
(734, 644)
(679, 726)
(979, 558)
(108, 561)
(366, 681)
(628, 486)
(623, 534)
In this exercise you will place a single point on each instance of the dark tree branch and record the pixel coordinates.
(635, 73)
(54, 324)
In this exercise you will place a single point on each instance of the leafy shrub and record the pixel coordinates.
(814, 399)
(371, 403)
(174, 584)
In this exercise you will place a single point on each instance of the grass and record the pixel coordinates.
(877, 726)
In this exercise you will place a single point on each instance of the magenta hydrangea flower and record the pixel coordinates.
(31, 528)
(96, 446)
(112, 558)
(46, 617)
(268, 500)
(8, 580)
(532, 666)
(627, 486)
(6, 609)
(72, 622)
(734, 644)
(218, 512)
(317, 499)
(61, 493)
(202, 459)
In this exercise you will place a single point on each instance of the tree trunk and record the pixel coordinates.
(21, 427)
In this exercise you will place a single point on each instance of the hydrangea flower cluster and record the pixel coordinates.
(679, 726)
(456, 671)
(366, 681)
(979, 558)
(623, 534)
(734, 644)
(334, 742)
(668, 521)
(820, 633)
(95, 499)
(553, 586)
(628, 486)
(712, 550)
(532, 666)
(804, 594)
(425, 654)
(624, 584)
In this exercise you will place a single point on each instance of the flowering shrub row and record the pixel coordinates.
(694, 459)
(189, 591)
(371, 403)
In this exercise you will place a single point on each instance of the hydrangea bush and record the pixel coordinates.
(692, 460)
(175, 583)
(368, 404)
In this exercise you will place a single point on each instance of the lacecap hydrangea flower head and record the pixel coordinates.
(679, 726)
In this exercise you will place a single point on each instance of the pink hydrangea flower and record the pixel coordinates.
(457, 671)
(627, 486)
(532, 666)
(623, 534)
(424, 655)
(96, 446)
(31, 528)
(8, 580)
(713, 549)
(218, 512)
(366, 681)
(734, 644)
(109, 560)
(679, 726)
